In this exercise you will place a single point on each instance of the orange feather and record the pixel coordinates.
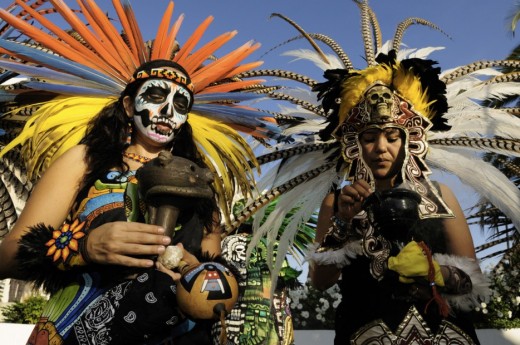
(106, 28)
(190, 43)
(82, 29)
(162, 33)
(126, 28)
(217, 69)
(207, 50)
(47, 40)
(243, 68)
(87, 55)
(136, 33)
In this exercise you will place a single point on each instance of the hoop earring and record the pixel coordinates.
(129, 131)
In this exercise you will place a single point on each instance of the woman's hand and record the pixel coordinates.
(126, 243)
(187, 262)
(351, 197)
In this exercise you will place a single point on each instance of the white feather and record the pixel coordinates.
(302, 94)
(422, 53)
(408, 53)
(314, 57)
(487, 72)
(490, 91)
(480, 121)
(307, 198)
(484, 178)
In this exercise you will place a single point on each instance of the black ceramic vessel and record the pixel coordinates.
(393, 212)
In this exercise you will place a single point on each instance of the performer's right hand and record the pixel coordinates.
(351, 197)
(187, 262)
(126, 244)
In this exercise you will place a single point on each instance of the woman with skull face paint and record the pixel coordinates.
(82, 234)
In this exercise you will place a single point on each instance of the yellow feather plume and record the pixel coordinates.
(56, 126)
(228, 155)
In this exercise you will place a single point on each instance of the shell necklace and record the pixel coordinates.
(136, 158)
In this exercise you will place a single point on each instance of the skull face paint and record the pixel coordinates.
(161, 108)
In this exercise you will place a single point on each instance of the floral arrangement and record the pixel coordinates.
(314, 309)
(503, 309)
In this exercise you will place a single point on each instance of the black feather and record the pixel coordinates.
(35, 265)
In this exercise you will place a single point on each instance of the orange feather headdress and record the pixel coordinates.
(68, 75)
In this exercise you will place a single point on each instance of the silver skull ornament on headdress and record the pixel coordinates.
(379, 101)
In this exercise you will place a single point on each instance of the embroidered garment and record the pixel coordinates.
(99, 298)
(387, 308)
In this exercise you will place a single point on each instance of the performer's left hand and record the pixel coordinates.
(412, 263)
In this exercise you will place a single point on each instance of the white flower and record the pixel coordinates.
(484, 311)
(509, 314)
(483, 305)
(299, 306)
(517, 300)
(499, 314)
(305, 314)
(477, 309)
(319, 317)
(499, 299)
(325, 305)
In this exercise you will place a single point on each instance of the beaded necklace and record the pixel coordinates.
(136, 158)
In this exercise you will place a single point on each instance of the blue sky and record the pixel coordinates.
(478, 30)
(477, 27)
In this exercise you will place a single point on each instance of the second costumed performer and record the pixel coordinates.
(98, 102)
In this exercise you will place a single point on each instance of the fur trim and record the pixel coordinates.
(480, 292)
(340, 257)
(35, 265)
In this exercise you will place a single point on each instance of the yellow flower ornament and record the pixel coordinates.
(64, 245)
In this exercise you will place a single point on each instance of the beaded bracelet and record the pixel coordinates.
(336, 235)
